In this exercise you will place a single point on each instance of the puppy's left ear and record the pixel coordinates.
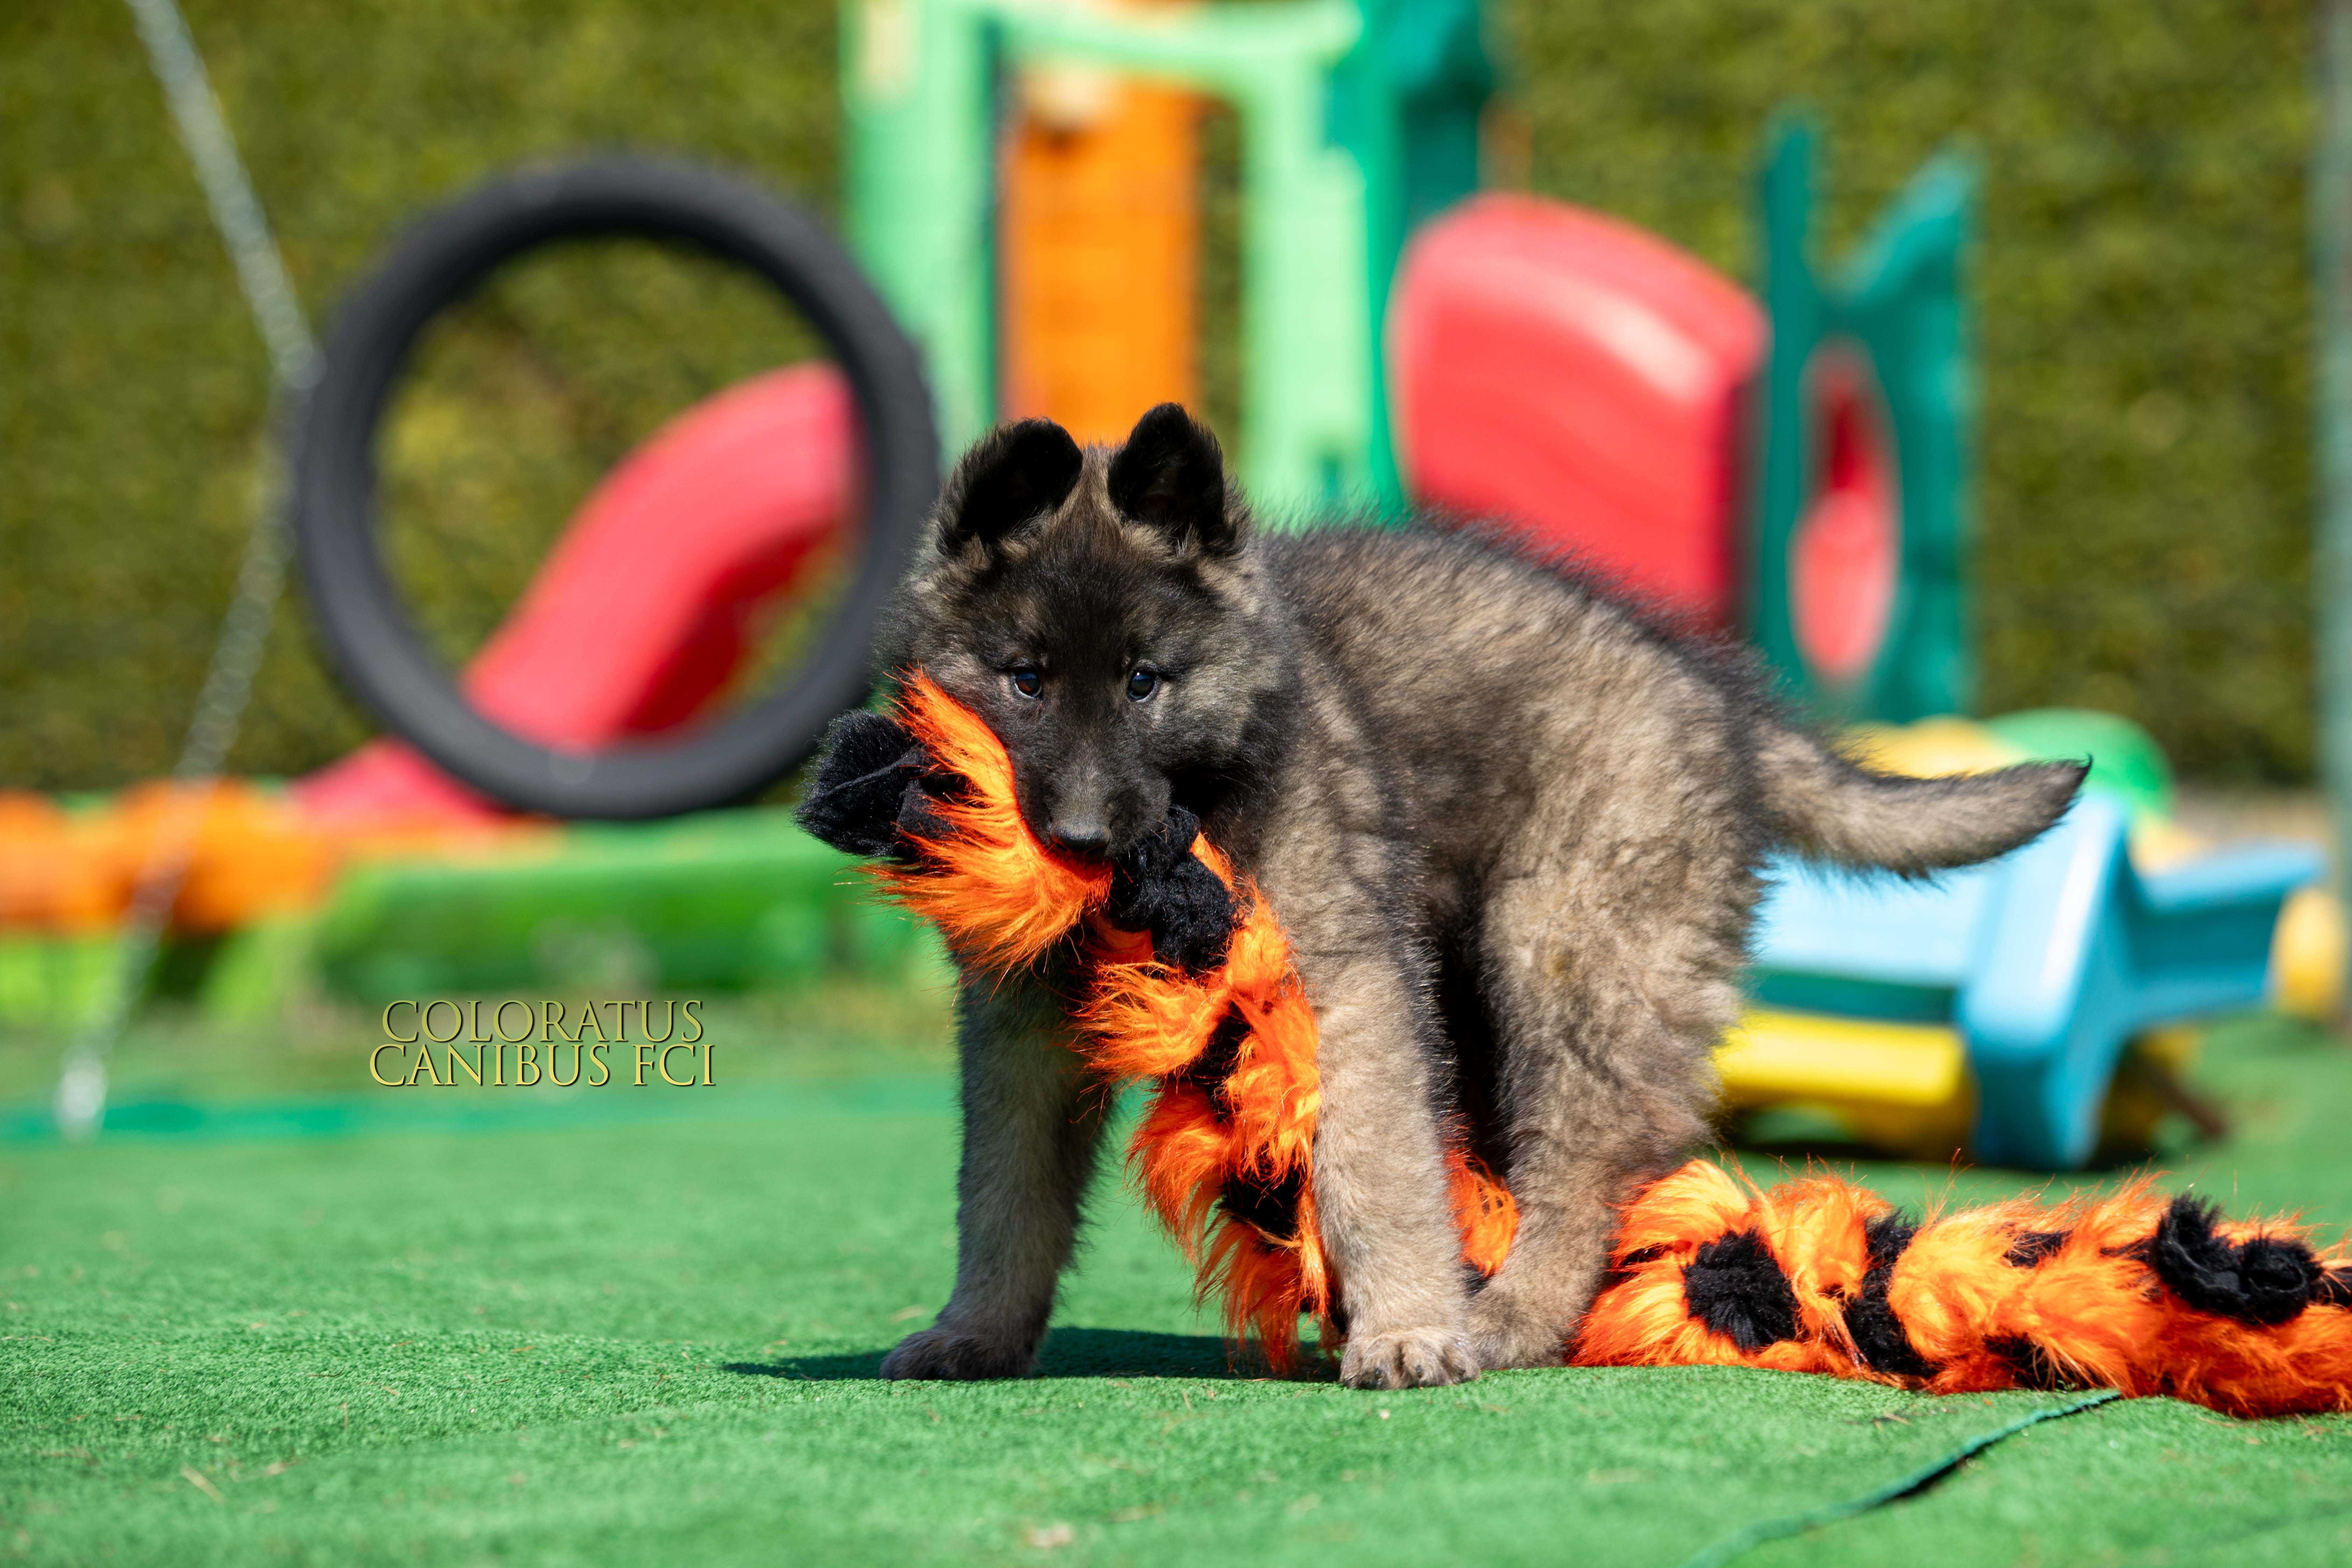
(1170, 476)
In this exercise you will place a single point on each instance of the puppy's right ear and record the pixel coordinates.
(1172, 477)
(1015, 474)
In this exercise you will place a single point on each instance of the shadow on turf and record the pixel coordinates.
(1067, 1353)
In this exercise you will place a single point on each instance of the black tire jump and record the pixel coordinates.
(371, 636)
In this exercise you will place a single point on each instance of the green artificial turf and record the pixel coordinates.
(615, 1330)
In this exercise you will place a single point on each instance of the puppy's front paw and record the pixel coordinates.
(1407, 1358)
(1505, 1333)
(944, 1354)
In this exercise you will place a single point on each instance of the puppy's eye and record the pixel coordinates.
(1141, 684)
(1026, 682)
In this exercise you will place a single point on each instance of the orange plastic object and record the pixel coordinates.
(1581, 381)
(251, 854)
(248, 855)
(1098, 240)
(50, 878)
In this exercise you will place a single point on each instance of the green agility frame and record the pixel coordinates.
(1896, 309)
(1357, 120)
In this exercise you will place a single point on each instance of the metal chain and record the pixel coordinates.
(260, 269)
(80, 1105)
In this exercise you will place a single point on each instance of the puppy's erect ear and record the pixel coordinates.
(1015, 474)
(1172, 477)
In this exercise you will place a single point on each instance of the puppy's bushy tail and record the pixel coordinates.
(1831, 808)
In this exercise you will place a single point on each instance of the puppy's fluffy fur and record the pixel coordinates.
(1512, 827)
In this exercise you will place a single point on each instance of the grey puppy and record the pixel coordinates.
(1512, 827)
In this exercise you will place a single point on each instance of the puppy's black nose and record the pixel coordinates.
(1080, 837)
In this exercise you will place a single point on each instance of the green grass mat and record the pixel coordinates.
(655, 1342)
(339, 1116)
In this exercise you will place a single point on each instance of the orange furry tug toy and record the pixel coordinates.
(2130, 1292)
(1185, 980)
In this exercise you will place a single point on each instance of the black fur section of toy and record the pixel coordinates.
(1271, 1206)
(2267, 1280)
(2334, 1290)
(1878, 1336)
(1734, 1286)
(2029, 1248)
(872, 796)
(1208, 1072)
(860, 798)
(2035, 1367)
(1161, 887)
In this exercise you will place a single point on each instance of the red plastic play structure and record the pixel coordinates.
(1844, 557)
(646, 606)
(1583, 382)
(1588, 384)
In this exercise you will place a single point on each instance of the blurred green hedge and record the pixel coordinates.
(2143, 310)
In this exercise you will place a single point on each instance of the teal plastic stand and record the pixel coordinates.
(2047, 959)
(1896, 309)
(1357, 120)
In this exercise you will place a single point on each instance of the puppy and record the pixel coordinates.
(1512, 827)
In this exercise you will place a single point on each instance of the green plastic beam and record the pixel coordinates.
(1895, 307)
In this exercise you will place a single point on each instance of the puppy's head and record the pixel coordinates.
(1098, 608)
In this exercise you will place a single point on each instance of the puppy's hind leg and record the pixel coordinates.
(1606, 1022)
(1032, 1125)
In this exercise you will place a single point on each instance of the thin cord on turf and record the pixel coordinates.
(80, 1105)
(1745, 1539)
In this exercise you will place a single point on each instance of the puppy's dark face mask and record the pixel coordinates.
(1087, 604)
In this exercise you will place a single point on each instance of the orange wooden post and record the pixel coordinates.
(1098, 250)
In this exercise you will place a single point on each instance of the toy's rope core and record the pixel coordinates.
(2128, 1291)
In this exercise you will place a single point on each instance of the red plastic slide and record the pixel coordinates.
(649, 602)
